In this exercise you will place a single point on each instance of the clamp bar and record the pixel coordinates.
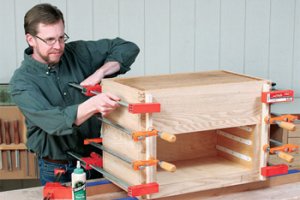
(115, 125)
(135, 108)
(120, 182)
(133, 190)
(124, 158)
(138, 164)
(140, 135)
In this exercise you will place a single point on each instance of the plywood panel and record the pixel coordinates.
(232, 35)
(281, 42)
(8, 35)
(182, 32)
(296, 58)
(132, 28)
(21, 7)
(157, 37)
(105, 19)
(80, 26)
(257, 37)
(207, 35)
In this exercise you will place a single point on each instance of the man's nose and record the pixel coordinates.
(57, 44)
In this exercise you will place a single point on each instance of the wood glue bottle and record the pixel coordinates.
(78, 183)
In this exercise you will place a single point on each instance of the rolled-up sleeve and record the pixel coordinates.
(97, 53)
(123, 52)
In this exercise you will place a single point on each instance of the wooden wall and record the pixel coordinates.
(255, 37)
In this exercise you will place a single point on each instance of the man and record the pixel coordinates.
(59, 117)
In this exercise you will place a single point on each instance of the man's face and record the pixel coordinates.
(48, 44)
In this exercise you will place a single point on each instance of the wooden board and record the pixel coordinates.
(202, 174)
(225, 140)
(181, 80)
(188, 146)
(210, 107)
(121, 143)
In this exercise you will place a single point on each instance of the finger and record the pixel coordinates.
(106, 111)
(113, 96)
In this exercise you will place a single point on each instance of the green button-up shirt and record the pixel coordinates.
(50, 105)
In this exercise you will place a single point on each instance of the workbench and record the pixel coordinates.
(277, 187)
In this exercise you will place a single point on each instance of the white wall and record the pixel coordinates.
(255, 37)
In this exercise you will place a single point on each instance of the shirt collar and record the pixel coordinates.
(38, 66)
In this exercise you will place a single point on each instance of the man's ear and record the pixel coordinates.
(30, 40)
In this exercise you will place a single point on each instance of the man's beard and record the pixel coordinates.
(48, 60)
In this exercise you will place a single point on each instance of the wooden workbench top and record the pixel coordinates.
(276, 188)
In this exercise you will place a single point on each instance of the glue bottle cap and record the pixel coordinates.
(78, 169)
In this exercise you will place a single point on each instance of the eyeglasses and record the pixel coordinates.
(52, 41)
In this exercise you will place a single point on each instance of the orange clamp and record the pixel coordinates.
(141, 135)
(96, 140)
(283, 118)
(137, 165)
(285, 148)
(291, 147)
(59, 171)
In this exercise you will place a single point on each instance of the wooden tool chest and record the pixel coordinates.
(216, 117)
(28, 166)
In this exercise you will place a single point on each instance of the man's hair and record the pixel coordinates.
(41, 13)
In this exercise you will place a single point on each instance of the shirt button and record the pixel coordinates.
(47, 72)
(65, 93)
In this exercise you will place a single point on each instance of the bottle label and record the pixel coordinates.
(79, 191)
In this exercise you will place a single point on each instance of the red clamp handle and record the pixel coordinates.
(94, 159)
(92, 90)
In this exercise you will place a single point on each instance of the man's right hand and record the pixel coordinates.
(103, 103)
